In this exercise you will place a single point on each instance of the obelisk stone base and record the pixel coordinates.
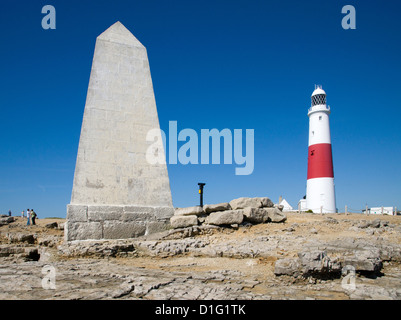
(114, 222)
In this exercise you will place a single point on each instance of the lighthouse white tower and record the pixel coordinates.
(320, 194)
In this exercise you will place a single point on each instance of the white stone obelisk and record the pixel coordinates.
(116, 192)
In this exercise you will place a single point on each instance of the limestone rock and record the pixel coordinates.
(21, 237)
(26, 253)
(198, 256)
(82, 230)
(289, 229)
(48, 241)
(364, 260)
(331, 220)
(286, 266)
(188, 211)
(6, 220)
(123, 230)
(183, 221)
(309, 263)
(209, 208)
(317, 262)
(243, 202)
(266, 202)
(256, 215)
(366, 292)
(376, 223)
(275, 215)
(279, 206)
(103, 248)
(225, 217)
(52, 225)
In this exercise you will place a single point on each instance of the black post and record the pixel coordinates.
(201, 185)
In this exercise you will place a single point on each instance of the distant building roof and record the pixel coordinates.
(287, 206)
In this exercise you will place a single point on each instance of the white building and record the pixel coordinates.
(302, 205)
(286, 206)
(382, 210)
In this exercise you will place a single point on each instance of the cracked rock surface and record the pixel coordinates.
(264, 261)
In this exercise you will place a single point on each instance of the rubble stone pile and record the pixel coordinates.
(230, 214)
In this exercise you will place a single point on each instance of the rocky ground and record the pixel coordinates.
(309, 256)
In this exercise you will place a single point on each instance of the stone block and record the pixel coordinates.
(138, 213)
(104, 213)
(83, 230)
(183, 221)
(256, 215)
(266, 202)
(275, 215)
(225, 217)
(139, 216)
(77, 213)
(209, 208)
(123, 230)
(156, 226)
(163, 213)
(188, 211)
(241, 203)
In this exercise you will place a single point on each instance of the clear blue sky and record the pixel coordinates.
(236, 64)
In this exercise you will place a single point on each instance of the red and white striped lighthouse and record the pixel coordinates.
(320, 194)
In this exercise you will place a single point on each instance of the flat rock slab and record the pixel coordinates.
(256, 215)
(21, 237)
(209, 208)
(188, 211)
(365, 260)
(183, 221)
(225, 217)
(257, 202)
(286, 266)
(26, 253)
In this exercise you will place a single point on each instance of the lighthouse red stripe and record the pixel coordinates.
(320, 161)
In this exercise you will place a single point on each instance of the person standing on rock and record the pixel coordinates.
(28, 216)
(9, 213)
(33, 215)
(23, 214)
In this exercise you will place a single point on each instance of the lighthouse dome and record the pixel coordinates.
(318, 96)
(318, 90)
